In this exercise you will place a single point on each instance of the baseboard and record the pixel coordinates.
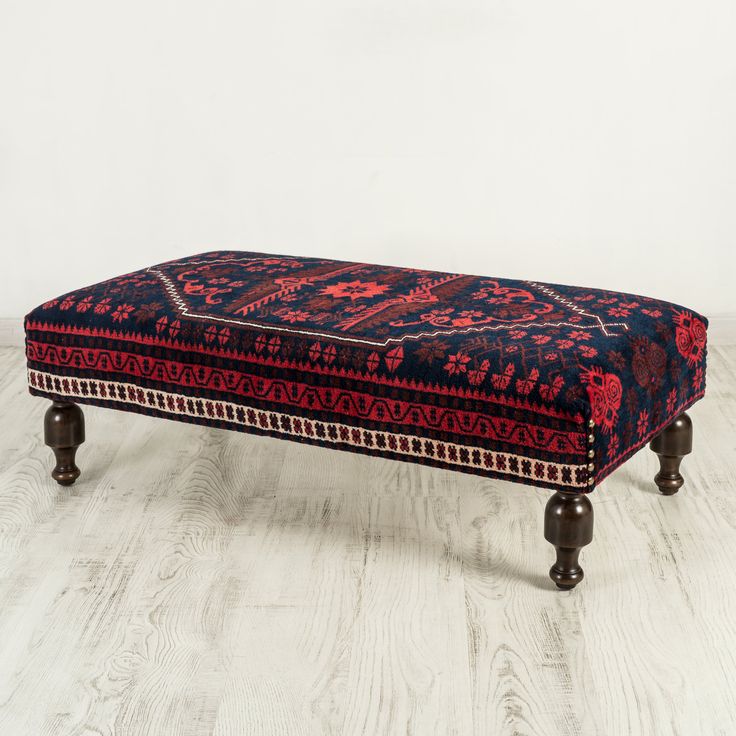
(11, 331)
(721, 331)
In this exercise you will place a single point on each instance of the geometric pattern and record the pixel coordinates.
(328, 433)
(546, 384)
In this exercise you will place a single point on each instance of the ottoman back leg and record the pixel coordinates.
(674, 442)
(63, 429)
(568, 525)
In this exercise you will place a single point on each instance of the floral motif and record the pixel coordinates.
(612, 450)
(524, 386)
(588, 351)
(501, 381)
(147, 312)
(671, 400)
(373, 361)
(355, 289)
(580, 335)
(476, 376)
(103, 306)
(293, 315)
(690, 337)
(604, 391)
(648, 363)
(698, 378)
(456, 363)
(328, 354)
(430, 351)
(643, 423)
(394, 358)
(549, 391)
(84, 304)
(122, 312)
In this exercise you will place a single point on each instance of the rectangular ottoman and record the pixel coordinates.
(542, 384)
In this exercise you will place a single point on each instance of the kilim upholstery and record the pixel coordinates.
(545, 384)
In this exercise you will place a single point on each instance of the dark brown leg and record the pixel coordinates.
(674, 442)
(63, 430)
(568, 525)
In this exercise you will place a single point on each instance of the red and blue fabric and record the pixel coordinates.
(545, 384)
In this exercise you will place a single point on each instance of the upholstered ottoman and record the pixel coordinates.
(542, 384)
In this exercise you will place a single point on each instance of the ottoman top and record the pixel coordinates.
(507, 348)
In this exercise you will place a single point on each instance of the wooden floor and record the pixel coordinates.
(199, 581)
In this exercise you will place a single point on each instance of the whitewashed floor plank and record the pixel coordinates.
(198, 581)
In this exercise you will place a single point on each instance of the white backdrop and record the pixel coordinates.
(578, 141)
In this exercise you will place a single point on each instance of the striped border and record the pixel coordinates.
(327, 433)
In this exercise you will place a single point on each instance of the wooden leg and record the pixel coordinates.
(672, 444)
(63, 429)
(568, 525)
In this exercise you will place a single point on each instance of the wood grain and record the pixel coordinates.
(199, 581)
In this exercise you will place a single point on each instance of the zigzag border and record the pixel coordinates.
(337, 400)
(288, 426)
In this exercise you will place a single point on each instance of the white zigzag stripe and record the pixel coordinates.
(183, 308)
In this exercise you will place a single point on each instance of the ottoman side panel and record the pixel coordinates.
(635, 379)
(473, 432)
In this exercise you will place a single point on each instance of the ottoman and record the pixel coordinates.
(547, 385)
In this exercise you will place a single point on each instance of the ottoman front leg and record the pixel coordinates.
(568, 525)
(63, 430)
(674, 442)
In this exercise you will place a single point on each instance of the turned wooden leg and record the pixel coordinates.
(63, 430)
(568, 525)
(672, 444)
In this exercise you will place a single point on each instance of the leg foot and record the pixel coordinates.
(568, 525)
(671, 445)
(63, 428)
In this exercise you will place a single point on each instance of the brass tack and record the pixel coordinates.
(591, 453)
(590, 438)
(591, 423)
(591, 468)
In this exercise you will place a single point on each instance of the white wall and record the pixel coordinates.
(573, 141)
